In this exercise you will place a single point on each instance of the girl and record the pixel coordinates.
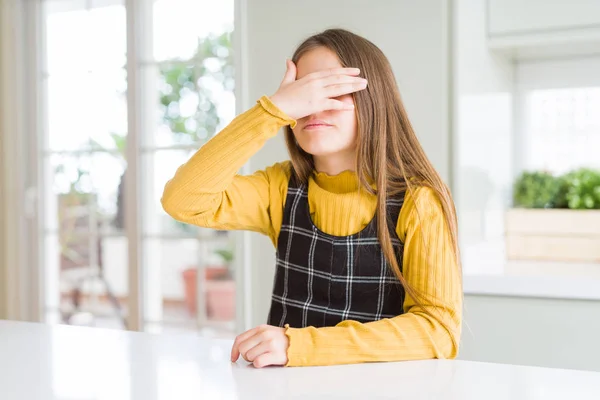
(365, 229)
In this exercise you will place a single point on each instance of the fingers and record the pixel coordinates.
(334, 71)
(252, 342)
(307, 95)
(267, 359)
(261, 348)
(235, 349)
(340, 79)
(344, 88)
(332, 104)
(290, 73)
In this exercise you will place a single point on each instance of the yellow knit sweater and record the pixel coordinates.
(207, 191)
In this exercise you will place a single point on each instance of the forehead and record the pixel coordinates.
(317, 59)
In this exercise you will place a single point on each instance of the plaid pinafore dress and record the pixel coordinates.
(321, 280)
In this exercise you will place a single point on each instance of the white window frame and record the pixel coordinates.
(14, 268)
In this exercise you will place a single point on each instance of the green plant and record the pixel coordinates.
(535, 189)
(227, 256)
(561, 196)
(194, 84)
(582, 189)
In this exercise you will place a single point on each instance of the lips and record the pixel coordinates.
(316, 124)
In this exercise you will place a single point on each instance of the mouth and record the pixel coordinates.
(316, 124)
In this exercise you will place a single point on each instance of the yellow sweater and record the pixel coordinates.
(207, 191)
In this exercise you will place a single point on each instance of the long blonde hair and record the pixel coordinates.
(388, 151)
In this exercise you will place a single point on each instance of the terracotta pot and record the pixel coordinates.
(220, 300)
(189, 287)
(220, 293)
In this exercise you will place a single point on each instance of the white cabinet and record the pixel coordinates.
(541, 28)
(521, 17)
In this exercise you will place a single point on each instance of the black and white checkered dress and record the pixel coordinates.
(321, 280)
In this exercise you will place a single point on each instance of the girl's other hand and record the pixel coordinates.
(262, 346)
(317, 91)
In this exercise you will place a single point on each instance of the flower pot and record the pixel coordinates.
(553, 235)
(220, 293)
(190, 289)
(220, 300)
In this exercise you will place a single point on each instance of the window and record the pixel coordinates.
(562, 129)
(184, 67)
(524, 206)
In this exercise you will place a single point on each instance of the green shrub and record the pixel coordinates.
(583, 189)
(534, 189)
(579, 189)
(560, 200)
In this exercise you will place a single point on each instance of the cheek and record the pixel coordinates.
(348, 118)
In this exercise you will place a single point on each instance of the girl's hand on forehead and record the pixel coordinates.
(317, 91)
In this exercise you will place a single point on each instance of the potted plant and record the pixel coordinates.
(219, 287)
(220, 291)
(555, 218)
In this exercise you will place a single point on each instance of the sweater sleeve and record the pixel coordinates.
(431, 268)
(207, 190)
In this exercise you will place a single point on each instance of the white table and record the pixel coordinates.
(67, 363)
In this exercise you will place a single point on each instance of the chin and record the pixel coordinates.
(321, 145)
(319, 149)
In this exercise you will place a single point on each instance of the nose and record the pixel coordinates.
(319, 115)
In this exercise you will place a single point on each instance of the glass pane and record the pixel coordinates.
(192, 101)
(179, 25)
(158, 167)
(77, 39)
(86, 279)
(84, 188)
(171, 295)
(86, 76)
(107, 47)
(85, 252)
(562, 129)
(87, 111)
(66, 51)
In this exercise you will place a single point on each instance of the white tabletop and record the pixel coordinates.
(67, 363)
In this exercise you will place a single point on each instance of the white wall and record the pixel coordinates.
(482, 139)
(413, 36)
